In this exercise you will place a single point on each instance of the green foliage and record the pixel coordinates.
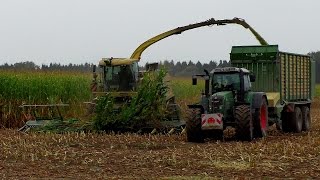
(36, 87)
(148, 105)
(32, 87)
(184, 90)
(104, 113)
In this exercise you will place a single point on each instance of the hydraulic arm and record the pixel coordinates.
(137, 53)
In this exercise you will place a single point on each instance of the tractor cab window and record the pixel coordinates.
(247, 83)
(226, 82)
(135, 70)
(119, 78)
(111, 78)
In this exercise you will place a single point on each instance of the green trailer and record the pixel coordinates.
(288, 80)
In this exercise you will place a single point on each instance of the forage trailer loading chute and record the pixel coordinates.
(265, 86)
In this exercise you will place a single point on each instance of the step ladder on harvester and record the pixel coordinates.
(35, 114)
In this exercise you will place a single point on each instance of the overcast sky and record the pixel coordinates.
(78, 31)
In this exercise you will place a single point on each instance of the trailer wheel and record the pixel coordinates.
(260, 123)
(285, 122)
(244, 126)
(193, 127)
(297, 120)
(306, 118)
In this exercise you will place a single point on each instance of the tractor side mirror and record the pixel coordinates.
(94, 68)
(252, 78)
(194, 80)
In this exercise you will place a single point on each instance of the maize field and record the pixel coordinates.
(17, 88)
(130, 156)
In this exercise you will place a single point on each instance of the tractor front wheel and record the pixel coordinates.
(193, 126)
(244, 126)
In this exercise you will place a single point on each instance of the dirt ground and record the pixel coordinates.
(127, 156)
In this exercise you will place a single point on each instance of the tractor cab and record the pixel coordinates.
(237, 80)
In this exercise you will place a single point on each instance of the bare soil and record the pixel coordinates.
(129, 156)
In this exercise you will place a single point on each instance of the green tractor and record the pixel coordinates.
(282, 95)
(228, 101)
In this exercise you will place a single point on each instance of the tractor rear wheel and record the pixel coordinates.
(244, 126)
(193, 126)
(306, 118)
(260, 123)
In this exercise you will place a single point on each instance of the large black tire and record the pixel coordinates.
(306, 119)
(285, 122)
(292, 122)
(193, 126)
(244, 125)
(297, 120)
(260, 122)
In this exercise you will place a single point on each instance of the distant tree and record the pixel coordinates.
(190, 63)
(189, 71)
(27, 65)
(206, 66)
(212, 64)
(225, 63)
(199, 65)
(184, 65)
(177, 68)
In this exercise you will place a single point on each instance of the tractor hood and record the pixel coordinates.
(222, 102)
(116, 61)
(224, 94)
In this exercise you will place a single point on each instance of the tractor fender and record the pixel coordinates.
(257, 99)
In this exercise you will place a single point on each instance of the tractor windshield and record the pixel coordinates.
(120, 78)
(226, 82)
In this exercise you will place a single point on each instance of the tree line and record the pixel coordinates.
(31, 66)
(174, 68)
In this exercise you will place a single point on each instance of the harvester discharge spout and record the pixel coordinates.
(137, 53)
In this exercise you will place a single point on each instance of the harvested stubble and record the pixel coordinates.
(128, 156)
